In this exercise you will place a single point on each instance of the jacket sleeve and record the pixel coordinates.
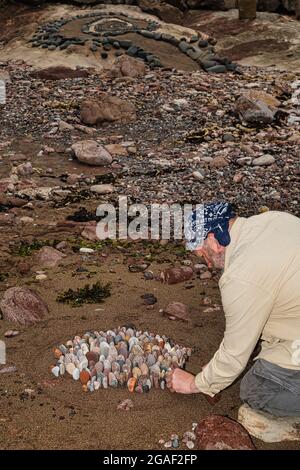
(247, 308)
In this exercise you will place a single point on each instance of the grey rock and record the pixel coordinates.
(264, 160)
(216, 69)
(91, 153)
(184, 46)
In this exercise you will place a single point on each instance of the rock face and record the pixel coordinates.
(269, 428)
(216, 432)
(263, 5)
(91, 153)
(257, 107)
(107, 108)
(126, 66)
(22, 305)
(59, 72)
(48, 257)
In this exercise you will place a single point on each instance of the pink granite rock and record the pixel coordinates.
(216, 432)
(22, 305)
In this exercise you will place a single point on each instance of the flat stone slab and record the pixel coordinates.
(269, 428)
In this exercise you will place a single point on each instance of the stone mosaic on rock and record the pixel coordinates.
(105, 31)
(119, 358)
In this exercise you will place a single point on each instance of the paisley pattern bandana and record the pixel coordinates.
(208, 218)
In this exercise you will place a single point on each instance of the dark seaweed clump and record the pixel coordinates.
(82, 215)
(93, 294)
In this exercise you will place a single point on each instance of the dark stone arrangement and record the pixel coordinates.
(105, 36)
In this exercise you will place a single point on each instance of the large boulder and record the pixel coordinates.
(106, 109)
(91, 153)
(22, 305)
(59, 72)
(269, 428)
(216, 432)
(126, 66)
(163, 10)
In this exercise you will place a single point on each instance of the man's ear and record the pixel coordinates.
(214, 244)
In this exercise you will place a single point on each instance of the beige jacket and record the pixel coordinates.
(260, 290)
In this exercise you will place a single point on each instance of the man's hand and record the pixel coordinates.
(183, 382)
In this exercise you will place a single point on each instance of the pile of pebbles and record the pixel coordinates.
(188, 439)
(201, 50)
(119, 358)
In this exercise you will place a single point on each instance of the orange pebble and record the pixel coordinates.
(57, 353)
(131, 384)
(84, 388)
(84, 377)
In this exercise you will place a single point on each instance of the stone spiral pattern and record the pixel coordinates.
(119, 358)
(103, 29)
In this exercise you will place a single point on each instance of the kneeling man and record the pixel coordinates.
(260, 290)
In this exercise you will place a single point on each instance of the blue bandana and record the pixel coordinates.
(208, 218)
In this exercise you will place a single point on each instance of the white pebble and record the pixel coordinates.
(86, 250)
(41, 277)
(55, 371)
(96, 385)
(190, 444)
(70, 368)
(76, 374)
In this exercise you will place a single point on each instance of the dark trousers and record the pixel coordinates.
(268, 387)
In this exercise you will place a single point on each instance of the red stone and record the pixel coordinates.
(178, 311)
(175, 275)
(92, 356)
(216, 432)
(24, 267)
(84, 377)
